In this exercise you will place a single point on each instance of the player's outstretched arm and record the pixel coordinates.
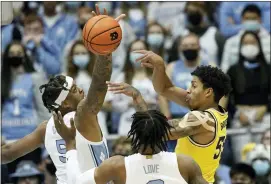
(87, 110)
(190, 170)
(112, 169)
(161, 82)
(192, 123)
(128, 90)
(12, 151)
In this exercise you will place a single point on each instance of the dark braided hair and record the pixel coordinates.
(213, 77)
(52, 90)
(149, 129)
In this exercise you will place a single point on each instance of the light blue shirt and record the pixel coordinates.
(234, 10)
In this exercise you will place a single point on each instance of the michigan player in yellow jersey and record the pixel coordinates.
(201, 133)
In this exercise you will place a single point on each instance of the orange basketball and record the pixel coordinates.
(102, 34)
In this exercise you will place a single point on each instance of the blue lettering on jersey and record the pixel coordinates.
(99, 153)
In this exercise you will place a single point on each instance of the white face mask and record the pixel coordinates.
(250, 51)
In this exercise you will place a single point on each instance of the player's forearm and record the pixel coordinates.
(98, 88)
(160, 79)
(139, 102)
(178, 132)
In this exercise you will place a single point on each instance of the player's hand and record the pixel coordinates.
(122, 88)
(149, 59)
(67, 133)
(105, 13)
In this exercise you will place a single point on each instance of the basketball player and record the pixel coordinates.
(63, 96)
(151, 164)
(202, 131)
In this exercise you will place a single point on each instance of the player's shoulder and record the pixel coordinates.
(42, 126)
(118, 162)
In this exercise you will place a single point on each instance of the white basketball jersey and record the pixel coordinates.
(56, 147)
(90, 154)
(162, 168)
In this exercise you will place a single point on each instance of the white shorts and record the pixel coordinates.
(90, 154)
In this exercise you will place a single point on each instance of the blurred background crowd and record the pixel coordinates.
(44, 39)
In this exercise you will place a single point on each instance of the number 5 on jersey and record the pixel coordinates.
(61, 148)
(219, 147)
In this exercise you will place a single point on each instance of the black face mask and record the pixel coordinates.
(190, 54)
(15, 61)
(194, 18)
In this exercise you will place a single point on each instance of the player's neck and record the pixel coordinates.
(209, 106)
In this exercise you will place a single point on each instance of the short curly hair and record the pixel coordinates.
(215, 78)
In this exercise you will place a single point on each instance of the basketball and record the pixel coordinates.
(102, 34)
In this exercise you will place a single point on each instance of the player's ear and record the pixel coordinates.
(208, 92)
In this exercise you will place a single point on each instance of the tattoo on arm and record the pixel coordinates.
(139, 103)
(98, 88)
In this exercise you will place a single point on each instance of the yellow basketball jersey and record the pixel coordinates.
(207, 156)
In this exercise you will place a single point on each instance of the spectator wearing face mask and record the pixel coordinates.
(259, 158)
(136, 16)
(15, 30)
(58, 26)
(83, 15)
(230, 19)
(80, 64)
(197, 22)
(156, 36)
(43, 51)
(242, 173)
(22, 106)
(251, 89)
(252, 17)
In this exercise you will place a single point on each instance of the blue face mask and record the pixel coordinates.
(81, 61)
(155, 39)
(251, 25)
(261, 167)
(133, 57)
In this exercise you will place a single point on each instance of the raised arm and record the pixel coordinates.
(12, 151)
(161, 82)
(191, 170)
(112, 169)
(192, 123)
(87, 110)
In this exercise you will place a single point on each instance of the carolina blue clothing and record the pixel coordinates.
(47, 54)
(181, 77)
(6, 36)
(234, 10)
(18, 113)
(63, 31)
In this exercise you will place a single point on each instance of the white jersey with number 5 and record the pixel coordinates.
(56, 148)
(161, 168)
